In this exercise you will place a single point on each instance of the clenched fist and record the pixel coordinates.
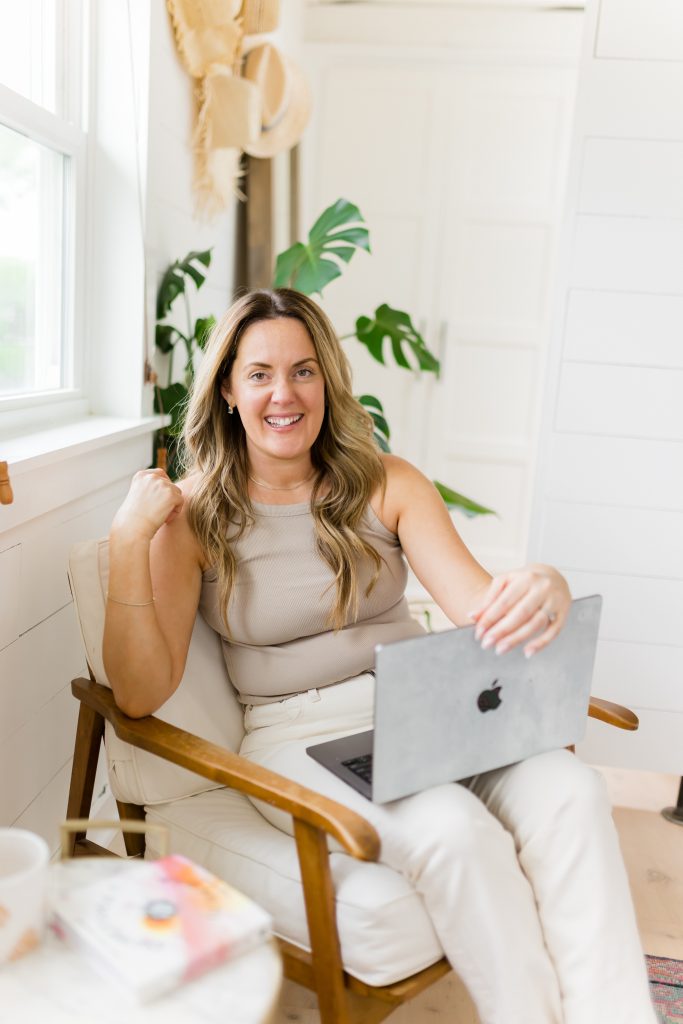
(152, 500)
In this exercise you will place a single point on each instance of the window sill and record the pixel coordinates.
(55, 467)
(44, 447)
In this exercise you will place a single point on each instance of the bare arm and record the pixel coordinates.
(152, 554)
(507, 609)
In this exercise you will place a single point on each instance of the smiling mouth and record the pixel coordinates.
(283, 421)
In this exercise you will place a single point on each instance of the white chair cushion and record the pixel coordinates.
(384, 930)
(206, 706)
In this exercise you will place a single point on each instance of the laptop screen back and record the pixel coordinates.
(445, 709)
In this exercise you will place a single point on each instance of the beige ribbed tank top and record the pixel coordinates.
(282, 599)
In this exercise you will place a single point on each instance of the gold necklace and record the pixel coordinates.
(270, 487)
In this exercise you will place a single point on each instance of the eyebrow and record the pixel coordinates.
(268, 366)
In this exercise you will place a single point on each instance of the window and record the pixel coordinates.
(42, 192)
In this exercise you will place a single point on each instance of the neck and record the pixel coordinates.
(291, 481)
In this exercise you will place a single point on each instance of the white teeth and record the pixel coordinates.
(282, 421)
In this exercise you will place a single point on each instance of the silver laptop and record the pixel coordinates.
(446, 710)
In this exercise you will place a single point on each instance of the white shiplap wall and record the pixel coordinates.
(74, 497)
(609, 498)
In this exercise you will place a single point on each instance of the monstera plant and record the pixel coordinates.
(334, 239)
(172, 399)
(309, 267)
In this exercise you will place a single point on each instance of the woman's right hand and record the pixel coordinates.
(152, 500)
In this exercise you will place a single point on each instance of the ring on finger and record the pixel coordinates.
(551, 616)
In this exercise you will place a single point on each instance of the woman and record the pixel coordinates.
(289, 532)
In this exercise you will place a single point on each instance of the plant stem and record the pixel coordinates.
(190, 333)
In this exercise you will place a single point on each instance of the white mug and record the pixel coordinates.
(24, 859)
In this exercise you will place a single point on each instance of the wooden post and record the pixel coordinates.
(259, 223)
(328, 969)
(294, 212)
(133, 841)
(89, 732)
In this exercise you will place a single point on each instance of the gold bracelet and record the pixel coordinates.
(130, 604)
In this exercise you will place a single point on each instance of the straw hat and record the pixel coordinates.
(210, 31)
(259, 16)
(230, 110)
(207, 32)
(285, 100)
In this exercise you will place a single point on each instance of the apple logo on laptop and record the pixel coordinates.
(488, 700)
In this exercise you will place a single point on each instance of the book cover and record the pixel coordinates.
(159, 923)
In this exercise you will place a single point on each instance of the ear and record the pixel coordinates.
(226, 393)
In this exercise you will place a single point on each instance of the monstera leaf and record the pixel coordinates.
(382, 432)
(202, 329)
(468, 507)
(172, 400)
(398, 328)
(174, 280)
(332, 241)
(166, 336)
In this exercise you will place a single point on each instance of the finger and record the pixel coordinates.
(495, 587)
(179, 499)
(523, 612)
(544, 639)
(513, 614)
(514, 591)
(531, 627)
(528, 590)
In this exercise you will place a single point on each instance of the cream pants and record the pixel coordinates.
(519, 869)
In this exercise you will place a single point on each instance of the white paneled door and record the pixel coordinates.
(456, 157)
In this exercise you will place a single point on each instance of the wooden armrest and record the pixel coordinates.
(209, 760)
(613, 714)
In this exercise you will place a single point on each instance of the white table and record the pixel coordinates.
(56, 985)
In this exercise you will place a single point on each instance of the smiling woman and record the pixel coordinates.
(291, 534)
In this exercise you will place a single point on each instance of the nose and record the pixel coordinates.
(283, 390)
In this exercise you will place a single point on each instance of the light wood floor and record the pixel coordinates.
(653, 853)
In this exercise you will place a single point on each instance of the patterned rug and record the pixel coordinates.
(666, 983)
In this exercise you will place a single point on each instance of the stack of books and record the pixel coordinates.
(159, 923)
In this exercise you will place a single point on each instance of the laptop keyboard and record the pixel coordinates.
(360, 766)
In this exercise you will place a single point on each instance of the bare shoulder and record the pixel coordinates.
(404, 483)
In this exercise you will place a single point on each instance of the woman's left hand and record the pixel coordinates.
(529, 604)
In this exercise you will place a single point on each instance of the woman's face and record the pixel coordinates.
(277, 385)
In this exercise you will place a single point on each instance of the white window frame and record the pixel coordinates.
(63, 132)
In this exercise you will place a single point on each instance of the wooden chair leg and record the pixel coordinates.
(89, 732)
(366, 1010)
(134, 842)
(322, 923)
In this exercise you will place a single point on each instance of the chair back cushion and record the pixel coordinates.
(204, 703)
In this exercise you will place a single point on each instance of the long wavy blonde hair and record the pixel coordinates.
(347, 463)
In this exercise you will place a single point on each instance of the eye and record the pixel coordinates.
(257, 375)
(304, 371)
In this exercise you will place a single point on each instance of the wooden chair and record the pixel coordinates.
(342, 997)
